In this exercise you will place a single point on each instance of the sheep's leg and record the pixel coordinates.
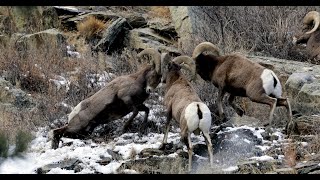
(238, 109)
(190, 151)
(272, 108)
(265, 99)
(285, 102)
(164, 141)
(129, 122)
(291, 126)
(209, 145)
(57, 134)
(145, 120)
(219, 104)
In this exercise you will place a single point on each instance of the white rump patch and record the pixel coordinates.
(268, 81)
(192, 118)
(149, 89)
(74, 111)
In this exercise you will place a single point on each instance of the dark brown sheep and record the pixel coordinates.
(121, 96)
(238, 76)
(310, 35)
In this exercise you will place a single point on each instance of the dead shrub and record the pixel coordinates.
(91, 27)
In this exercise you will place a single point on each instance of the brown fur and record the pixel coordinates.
(118, 98)
(179, 93)
(236, 75)
(312, 40)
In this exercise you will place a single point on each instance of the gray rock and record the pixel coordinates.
(113, 36)
(50, 37)
(147, 38)
(182, 24)
(136, 21)
(297, 80)
(69, 164)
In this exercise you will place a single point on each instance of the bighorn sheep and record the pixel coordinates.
(239, 76)
(310, 35)
(118, 98)
(183, 104)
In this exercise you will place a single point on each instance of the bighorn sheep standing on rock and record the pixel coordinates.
(310, 34)
(239, 76)
(118, 98)
(183, 104)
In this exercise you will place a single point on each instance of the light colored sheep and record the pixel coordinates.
(183, 104)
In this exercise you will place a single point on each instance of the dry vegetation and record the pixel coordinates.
(251, 29)
(91, 27)
(160, 12)
(264, 30)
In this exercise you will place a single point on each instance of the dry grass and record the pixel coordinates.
(31, 71)
(314, 145)
(91, 27)
(290, 154)
(160, 12)
(266, 30)
(157, 166)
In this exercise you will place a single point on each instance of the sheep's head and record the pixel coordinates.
(153, 76)
(311, 19)
(187, 63)
(205, 46)
(202, 55)
(311, 23)
(180, 62)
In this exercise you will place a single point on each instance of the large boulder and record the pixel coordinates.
(52, 38)
(143, 38)
(183, 24)
(113, 37)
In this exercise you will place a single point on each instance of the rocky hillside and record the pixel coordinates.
(54, 57)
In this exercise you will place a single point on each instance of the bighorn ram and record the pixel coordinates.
(239, 76)
(310, 34)
(183, 104)
(118, 98)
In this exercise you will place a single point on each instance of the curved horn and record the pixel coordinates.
(156, 56)
(312, 16)
(187, 63)
(205, 46)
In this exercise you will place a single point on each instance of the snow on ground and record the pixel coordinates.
(231, 169)
(262, 158)
(40, 153)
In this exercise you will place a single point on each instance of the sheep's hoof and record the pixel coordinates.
(55, 144)
(266, 124)
(162, 146)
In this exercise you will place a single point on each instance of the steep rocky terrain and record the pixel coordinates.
(75, 61)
